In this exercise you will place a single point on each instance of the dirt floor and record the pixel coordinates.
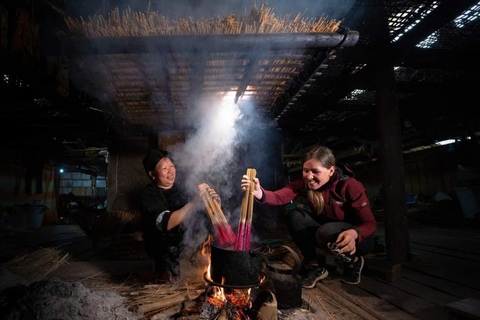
(55, 299)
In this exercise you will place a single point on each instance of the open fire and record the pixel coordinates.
(226, 301)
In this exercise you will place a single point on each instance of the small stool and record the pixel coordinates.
(464, 309)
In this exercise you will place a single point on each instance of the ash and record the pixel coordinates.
(54, 299)
(209, 311)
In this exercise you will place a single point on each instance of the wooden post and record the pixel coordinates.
(391, 163)
(392, 170)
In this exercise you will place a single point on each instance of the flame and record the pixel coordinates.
(206, 245)
(263, 278)
(220, 296)
(206, 251)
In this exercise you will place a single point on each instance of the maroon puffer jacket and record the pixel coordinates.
(345, 200)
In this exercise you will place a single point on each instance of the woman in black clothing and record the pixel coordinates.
(164, 208)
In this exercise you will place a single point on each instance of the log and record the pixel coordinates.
(167, 301)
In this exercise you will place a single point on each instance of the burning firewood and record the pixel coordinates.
(220, 224)
(246, 214)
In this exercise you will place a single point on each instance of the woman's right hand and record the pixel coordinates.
(257, 191)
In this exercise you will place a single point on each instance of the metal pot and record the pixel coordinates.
(286, 282)
(235, 268)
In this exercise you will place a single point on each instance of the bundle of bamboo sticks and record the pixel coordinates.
(259, 20)
(246, 214)
(222, 228)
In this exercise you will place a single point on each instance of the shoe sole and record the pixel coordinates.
(359, 274)
(320, 277)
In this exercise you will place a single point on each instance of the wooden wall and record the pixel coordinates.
(426, 172)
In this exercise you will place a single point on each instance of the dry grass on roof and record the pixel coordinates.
(135, 23)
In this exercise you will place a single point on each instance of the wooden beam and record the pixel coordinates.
(217, 43)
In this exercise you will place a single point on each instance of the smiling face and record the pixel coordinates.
(164, 173)
(316, 175)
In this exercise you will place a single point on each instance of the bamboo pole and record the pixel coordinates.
(253, 173)
(244, 226)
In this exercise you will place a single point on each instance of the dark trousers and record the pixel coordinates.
(166, 256)
(308, 235)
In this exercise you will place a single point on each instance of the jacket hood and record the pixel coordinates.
(343, 171)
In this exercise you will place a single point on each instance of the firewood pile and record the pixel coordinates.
(258, 20)
(159, 298)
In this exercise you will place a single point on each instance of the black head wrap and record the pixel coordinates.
(152, 158)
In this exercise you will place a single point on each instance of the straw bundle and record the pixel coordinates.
(258, 20)
(222, 228)
(35, 266)
(246, 214)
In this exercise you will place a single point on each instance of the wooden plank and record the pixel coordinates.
(455, 269)
(420, 290)
(442, 285)
(413, 305)
(368, 314)
(322, 306)
(469, 308)
(376, 306)
(443, 238)
(459, 232)
(446, 252)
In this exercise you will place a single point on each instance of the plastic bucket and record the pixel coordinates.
(34, 216)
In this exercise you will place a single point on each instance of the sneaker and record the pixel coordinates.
(312, 275)
(352, 271)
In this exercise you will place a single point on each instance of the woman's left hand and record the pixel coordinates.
(346, 241)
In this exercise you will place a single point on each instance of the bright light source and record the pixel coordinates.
(445, 142)
(61, 170)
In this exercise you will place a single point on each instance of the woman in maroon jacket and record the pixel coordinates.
(328, 209)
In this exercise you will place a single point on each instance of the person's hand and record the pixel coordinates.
(257, 191)
(197, 199)
(206, 188)
(213, 194)
(346, 241)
